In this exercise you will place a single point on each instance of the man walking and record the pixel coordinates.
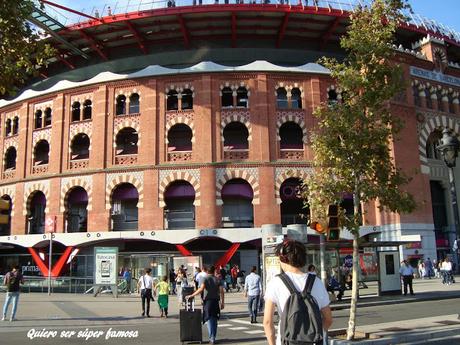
(407, 273)
(12, 280)
(213, 301)
(252, 290)
(127, 276)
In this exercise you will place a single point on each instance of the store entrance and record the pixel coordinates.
(159, 264)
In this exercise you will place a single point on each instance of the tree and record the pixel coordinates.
(352, 142)
(22, 51)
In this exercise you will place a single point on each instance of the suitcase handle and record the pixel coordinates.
(190, 304)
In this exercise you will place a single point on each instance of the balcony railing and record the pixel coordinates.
(238, 154)
(291, 154)
(9, 174)
(180, 156)
(126, 159)
(79, 164)
(40, 169)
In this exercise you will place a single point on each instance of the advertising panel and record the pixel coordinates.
(105, 262)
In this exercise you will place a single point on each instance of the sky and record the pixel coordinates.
(446, 12)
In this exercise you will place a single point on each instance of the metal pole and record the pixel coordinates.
(453, 194)
(322, 257)
(50, 263)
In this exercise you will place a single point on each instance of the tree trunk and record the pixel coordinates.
(354, 290)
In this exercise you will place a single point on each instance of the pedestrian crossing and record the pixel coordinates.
(243, 326)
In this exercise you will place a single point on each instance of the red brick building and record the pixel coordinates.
(190, 126)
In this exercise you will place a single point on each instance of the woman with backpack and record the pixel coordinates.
(312, 305)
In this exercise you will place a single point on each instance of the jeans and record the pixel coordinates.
(253, 305)
(11, 296)
(212, 328)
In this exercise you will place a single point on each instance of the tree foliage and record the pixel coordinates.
(21, 50)
(352, 144)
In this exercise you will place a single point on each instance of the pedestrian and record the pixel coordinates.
(182, 282)
(311, 269)
(162, 288)
(234, 274)
(240, 280)
(172, 280)
(421, 269)
(446, 269)
(429, 268)
(127, 276)
(213, 301)
(407, 273)
(253, 290)
(200, 277)
(292, 256)
(197, 271)
(12, 281)
(145, 286)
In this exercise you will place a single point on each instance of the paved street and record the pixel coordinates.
(97, 318)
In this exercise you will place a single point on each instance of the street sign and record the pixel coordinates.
(49, 224)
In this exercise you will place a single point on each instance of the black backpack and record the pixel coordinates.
(301, 321)
(13, 283)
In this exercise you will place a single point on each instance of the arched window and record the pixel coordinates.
(47, 117)
(172, 102)
(15, 125)
(8, 127)
(237, 209)
(38, 119)
(429, 101)
(41, 153)
(120, 105)
(292, 206)
(332, 96)
(227, 97)
(10, 158)
(36, 213)
(281, 98)
(76, 111)
(5, 225)
(296, 98)
(87, 110)
(79, 148)
(179, 212)
(126, 141)
(187, 99)
(242, 99)
(291, 136)
(416, 93)
(76, 210)
(134, 104)
(180, 138)
(124, 211)
(432, 143)
(236, 136)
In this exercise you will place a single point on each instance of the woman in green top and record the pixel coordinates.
(163, 295)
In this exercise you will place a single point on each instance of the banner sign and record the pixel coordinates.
(105, 265)
(435, 76)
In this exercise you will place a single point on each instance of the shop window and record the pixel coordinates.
(41, 153)
(187, 99)
(432, 143)
(180, 138)
(124, 212)
(8, 127)
(236, 136)
(237, 208)
(291, 136)
(242, 99)
(179, 212)
(36, 213)
(76, 111)
(227, 97)
(79, 147)
(281, 98)
(10, 158)
(120, 108)
(87, 110)
(126, 141)
(76, 210)
(38, 119)
(15, 125)
(134, 107)
(172, 102)
(296, 98)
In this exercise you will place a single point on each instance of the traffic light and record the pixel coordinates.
(333, 229)
(4, 211)
(318, 227)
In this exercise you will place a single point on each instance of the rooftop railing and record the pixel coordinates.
(128, 6)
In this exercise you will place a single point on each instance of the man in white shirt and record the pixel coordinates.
(253, 290)
(145, 285)
(407, 273)
(292, 255)
(446, 269)
(200, 277)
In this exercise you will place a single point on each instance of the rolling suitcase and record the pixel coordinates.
(190, 324)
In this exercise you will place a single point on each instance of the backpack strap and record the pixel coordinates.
(288, 283)
(309, 284)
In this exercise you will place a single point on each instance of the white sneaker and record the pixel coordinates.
(13, 319)
(3, 318)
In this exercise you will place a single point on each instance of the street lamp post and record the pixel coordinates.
(449, 150)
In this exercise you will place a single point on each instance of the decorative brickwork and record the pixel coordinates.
(40, 169)
(180, 156)
(136, 178)
(282, 174)
(81, 98)
(9, 174)
(291, 116)
(289, 86)
(42, 106)
(79, 164)
(231, 155)
(180, 119)
(128, 121)
(41, 134)
(126, 160)
(68, 183)
(236, 115)
(81, 127)
(172, 115)
(169, 176)
(293, 155)
(11, 192)
(250, 175)
(30, 188)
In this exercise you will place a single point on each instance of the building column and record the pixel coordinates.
(98, 216)
(100, 135)
(267, 211)
(57, 147)
(151, 214)
(208, 214)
